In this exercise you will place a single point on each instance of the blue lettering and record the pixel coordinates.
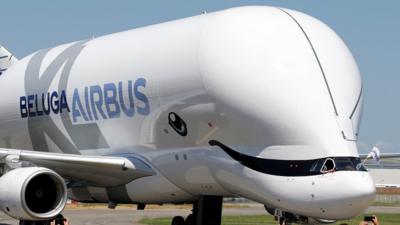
(63, 102)
(38, 111)
(110, 99)
(131, 110)
(97, 104)
(31, 112)
(54, 102)
(87, 103)
(46, 111)
(22, 106)
(77, 112)
(141, 82)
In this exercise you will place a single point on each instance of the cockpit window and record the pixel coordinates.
(337, 164)
(359, 165)
(353, 164)
(345, 164)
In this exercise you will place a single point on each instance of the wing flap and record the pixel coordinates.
(383, 156)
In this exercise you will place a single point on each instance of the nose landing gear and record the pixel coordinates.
(207, 211)
(286, 218)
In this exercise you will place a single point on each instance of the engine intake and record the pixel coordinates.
(32, 193)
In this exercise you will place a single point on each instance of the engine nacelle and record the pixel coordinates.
(32, 193)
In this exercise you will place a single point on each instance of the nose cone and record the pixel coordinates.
(363, 193)
(337, 196)
(351, 198)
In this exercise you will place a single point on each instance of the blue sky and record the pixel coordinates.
(371, 30)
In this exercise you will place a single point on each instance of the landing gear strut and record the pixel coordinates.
(286, 218)
(207, 211)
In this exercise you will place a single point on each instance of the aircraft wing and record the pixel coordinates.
(6, 60)
(101, 171)
(383, 155)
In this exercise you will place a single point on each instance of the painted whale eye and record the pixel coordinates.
(177, 123)
(172, 117)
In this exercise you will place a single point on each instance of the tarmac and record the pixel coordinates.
(131, 216)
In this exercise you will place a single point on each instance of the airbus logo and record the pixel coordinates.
(106, 102)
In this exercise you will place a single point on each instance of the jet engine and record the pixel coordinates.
(32, 193)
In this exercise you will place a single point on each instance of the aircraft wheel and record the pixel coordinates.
(178, 220)
(190, 220)
(60, 220)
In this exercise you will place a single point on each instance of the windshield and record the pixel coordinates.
(340, 164)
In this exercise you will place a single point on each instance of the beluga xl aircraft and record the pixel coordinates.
(257, 102)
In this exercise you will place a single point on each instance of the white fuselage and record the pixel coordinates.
(269, 83)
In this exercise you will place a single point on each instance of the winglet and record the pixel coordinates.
(6, 60)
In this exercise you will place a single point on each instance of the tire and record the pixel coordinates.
(178, 220)
(190, 220)
(59, 220)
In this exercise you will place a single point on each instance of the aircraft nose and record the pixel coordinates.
(364, 189)
(349, 194)
(360, 194)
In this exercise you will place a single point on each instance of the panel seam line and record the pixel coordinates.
(316, 56)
